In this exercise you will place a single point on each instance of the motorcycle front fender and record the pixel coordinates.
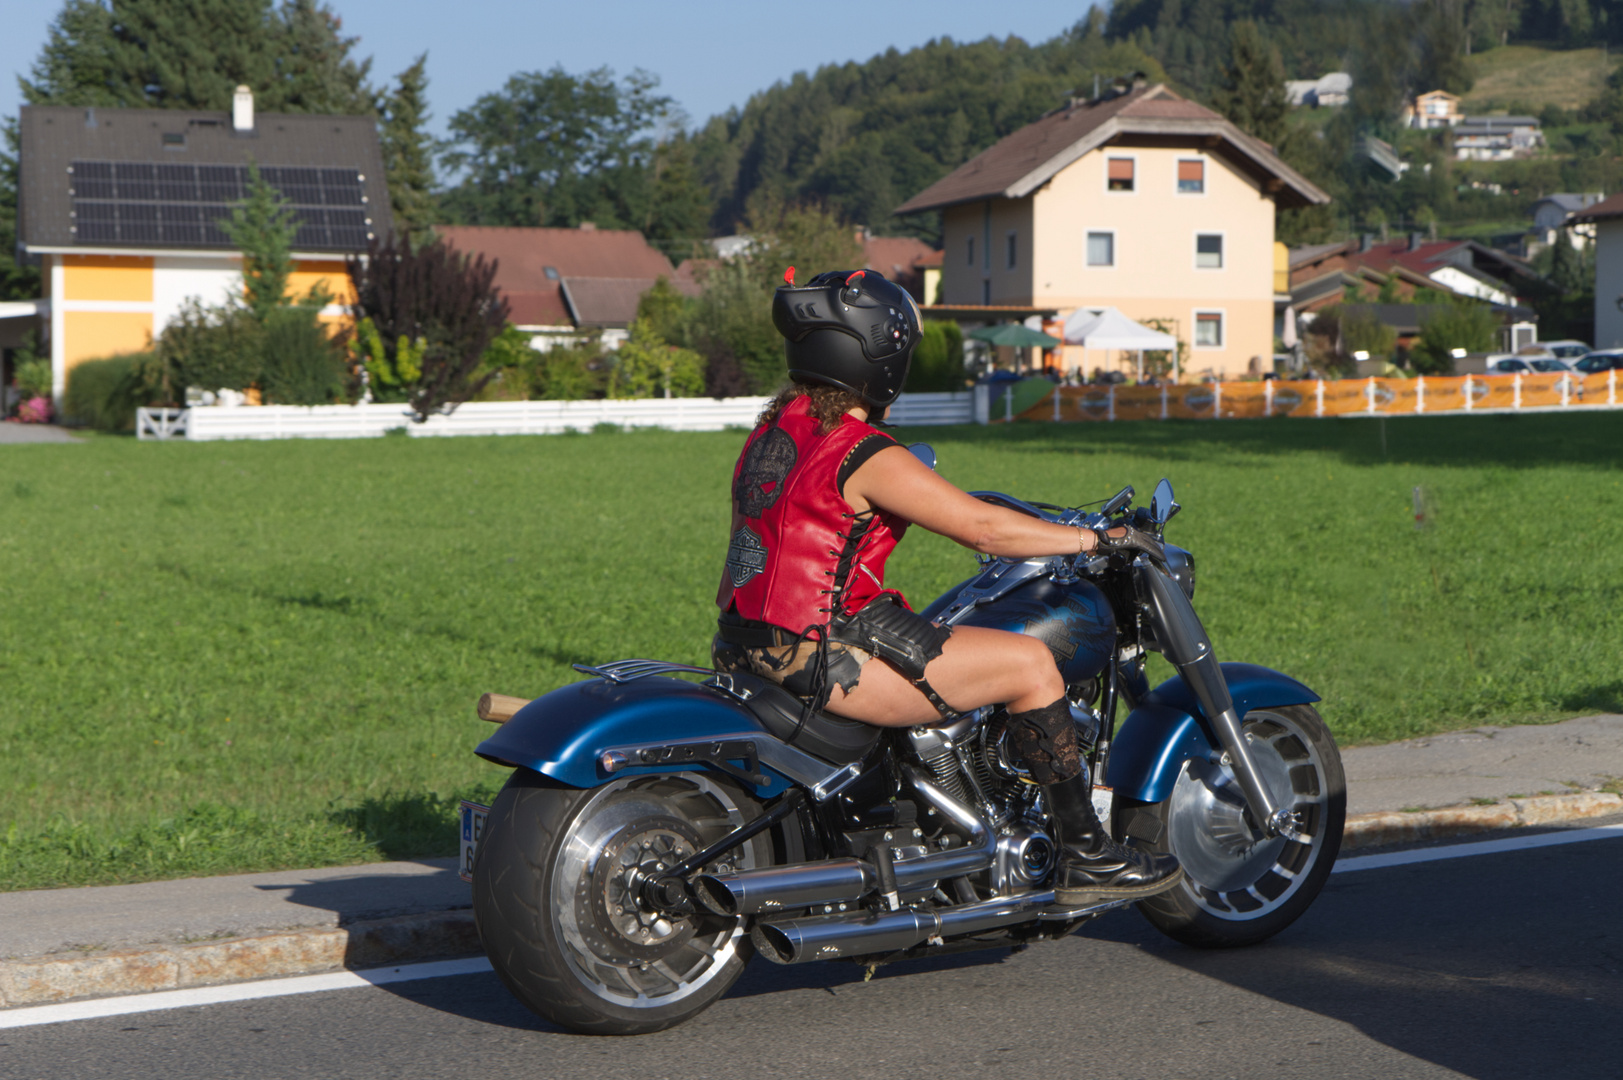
(1168, 728)
(564, 734)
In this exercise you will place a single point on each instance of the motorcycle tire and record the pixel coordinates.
(555, 917)
(1239, 889)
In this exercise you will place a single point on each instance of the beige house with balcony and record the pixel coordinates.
(1143, 201)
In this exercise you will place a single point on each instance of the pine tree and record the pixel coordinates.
(192, 54)
(17, 281)
(407, 149)
(680, 216)
(1253, 89)
(262, 228)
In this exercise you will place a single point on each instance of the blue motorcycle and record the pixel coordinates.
(658, 831)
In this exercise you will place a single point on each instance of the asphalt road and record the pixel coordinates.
(1496, 967)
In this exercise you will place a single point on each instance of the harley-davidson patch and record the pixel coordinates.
(746, 557)
(766, 465)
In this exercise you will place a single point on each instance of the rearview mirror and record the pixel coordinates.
(1162, 506)
(925, 453)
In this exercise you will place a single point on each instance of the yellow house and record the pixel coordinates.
(1139, 200)
(123, 207)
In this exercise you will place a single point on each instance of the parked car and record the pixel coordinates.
(1549, 364)
(1599, 361)
(1510, 364)
(1566, 349)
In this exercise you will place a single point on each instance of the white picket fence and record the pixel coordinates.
(508, 417)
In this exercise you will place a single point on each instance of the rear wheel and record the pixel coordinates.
(556, 901)
(1240, 888)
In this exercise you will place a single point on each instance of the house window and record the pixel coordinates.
(1209, 329)
(1119, 174)
(1013, 250)
(174, 140)
(1191, 177)
(1209, 251)
(1101, 249)
(986, 294)
(971, 251)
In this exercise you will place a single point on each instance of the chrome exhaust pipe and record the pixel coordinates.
(835, 881)
(863, 933)
(773, 888)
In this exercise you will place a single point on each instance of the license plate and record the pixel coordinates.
(473, 830)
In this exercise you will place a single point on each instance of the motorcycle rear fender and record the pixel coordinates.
(564, 734)
(1168, 728)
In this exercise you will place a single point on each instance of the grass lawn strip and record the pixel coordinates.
(227, 657)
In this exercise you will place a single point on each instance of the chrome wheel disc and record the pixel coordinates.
(616, 947)
(1232, 871)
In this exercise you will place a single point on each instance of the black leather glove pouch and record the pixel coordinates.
(891, 632)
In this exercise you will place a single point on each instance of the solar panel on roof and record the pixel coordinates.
(182, 205)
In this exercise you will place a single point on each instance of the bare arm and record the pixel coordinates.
(895, 481)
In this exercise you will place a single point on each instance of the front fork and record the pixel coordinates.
(1184, 642)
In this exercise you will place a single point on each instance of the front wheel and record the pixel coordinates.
(1239, 889)
(555, 899)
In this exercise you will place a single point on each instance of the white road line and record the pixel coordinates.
(249, 991)
(1483, 847)
(30, 1016)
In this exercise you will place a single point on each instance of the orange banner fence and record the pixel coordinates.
(1319, 397)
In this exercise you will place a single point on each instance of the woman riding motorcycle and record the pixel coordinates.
(820, 499)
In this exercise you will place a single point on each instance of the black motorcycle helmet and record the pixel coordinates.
(851, 329)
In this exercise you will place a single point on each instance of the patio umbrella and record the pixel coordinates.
(1017, 335)
(1108, 328)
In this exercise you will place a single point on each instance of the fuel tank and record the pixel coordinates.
(1074, 620)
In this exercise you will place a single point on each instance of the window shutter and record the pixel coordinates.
(1191, 171)
(1121, 169)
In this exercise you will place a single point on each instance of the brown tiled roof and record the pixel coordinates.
(544, 308)
(1018, 164)
(1601, 211)
(523, 256)
(894, 256)
(604, 301)
(52, 137)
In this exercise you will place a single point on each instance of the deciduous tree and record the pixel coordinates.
(553, 148)
(436, 302)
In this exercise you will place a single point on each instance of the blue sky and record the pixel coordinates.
(708, 56)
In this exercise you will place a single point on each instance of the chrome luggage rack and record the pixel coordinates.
(624, 671)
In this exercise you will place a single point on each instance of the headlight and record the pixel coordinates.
(1181, 564)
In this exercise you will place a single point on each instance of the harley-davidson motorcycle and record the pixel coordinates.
(658, 831)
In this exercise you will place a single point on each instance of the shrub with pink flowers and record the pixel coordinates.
(35, 410)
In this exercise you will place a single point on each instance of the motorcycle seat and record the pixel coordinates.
(833, 739)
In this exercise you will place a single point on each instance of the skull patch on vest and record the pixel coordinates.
(766, 465)
(746, 557)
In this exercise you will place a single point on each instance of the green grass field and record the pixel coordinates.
(1531, 76)
(234, 656)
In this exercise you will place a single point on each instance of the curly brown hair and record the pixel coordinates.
(829, 404)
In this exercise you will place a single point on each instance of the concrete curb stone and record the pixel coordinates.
(44, 980)
(59, 977)
(1400, 827)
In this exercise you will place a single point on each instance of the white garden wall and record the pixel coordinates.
(502, 417)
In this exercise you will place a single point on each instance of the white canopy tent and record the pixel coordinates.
(1108, 328)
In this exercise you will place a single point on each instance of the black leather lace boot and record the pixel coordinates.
(1092, 866)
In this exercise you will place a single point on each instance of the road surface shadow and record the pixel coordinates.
(1500, 967)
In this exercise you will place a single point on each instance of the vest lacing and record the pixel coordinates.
(817, 698)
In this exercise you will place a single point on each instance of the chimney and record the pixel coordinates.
(1415, 240)
(1365, 242)
(588, 226)
(242, 109)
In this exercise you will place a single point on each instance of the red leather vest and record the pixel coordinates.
(791, 526)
